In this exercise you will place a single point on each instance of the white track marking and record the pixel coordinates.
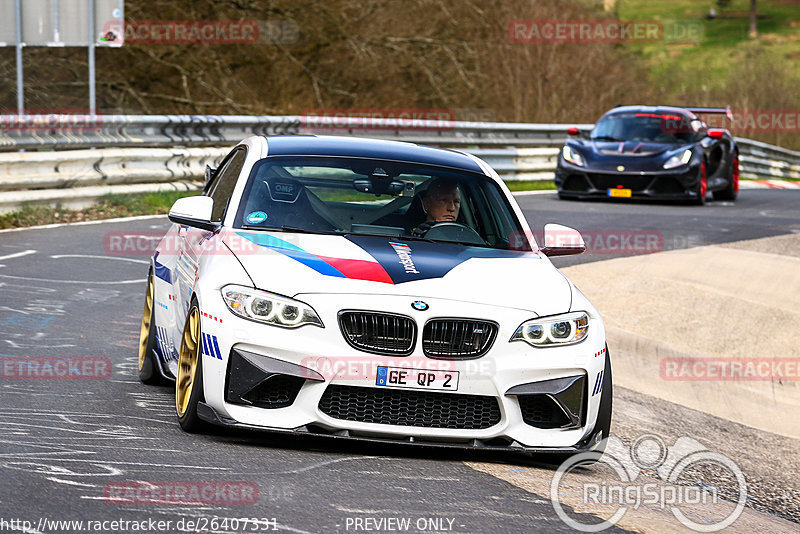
(86, 282)
(540, 192)
(84, 223)
(71, 482)
(18, 254)
(59, 256)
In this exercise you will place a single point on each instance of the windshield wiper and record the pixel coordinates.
(606, 138)
(284, 228)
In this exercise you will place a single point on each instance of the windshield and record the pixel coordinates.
(648, 128)
(337, 195)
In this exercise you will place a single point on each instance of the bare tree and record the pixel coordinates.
(753, 33)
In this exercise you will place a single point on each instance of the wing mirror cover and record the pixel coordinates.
(194, 212)
(562, 240)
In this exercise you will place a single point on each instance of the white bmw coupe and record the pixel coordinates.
(372, 290)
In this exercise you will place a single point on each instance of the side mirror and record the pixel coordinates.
(194, 212)
(715, 134)
(573, 131)
(562, 241)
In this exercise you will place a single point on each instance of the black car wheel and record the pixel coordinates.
(702, 187)
(730, 192)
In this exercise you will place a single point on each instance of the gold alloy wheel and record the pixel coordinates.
(187, 361)
(147, 318)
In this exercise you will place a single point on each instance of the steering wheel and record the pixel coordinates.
(449, 231)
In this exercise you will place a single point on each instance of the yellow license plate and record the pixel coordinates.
(621, 193)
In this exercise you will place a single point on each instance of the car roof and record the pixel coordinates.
(312, 145)
(652, 109)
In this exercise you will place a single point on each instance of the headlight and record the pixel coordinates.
(269, 308)
(573, 156)
(556, 330)
(677, 161)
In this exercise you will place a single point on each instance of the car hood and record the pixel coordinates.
(291, 263)
(634, 156)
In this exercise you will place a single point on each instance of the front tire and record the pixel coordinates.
(189, 379)
(148, 372)
(702, 187)
(730, 192)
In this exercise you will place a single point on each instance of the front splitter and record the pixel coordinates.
(210, 415)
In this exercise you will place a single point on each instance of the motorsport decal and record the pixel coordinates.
(395, 261)
(404, 253)
(339, 267)
(421, 260)
(598, 383)
(161, 270)
(164, 343)
(211, 347)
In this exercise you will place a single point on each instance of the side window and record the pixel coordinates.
(224, 183)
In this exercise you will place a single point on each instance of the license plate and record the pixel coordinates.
(403, 377)
(621, 193)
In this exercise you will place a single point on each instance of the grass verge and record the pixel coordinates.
(108, 207)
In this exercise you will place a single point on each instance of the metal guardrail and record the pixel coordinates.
(169, 149)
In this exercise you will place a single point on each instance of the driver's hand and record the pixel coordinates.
(422, 228)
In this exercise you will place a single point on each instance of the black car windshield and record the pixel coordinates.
(648, 128)
(341, 195)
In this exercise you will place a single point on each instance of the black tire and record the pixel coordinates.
(148, 370)
(189, 376)
(702, 187)
(732, 190)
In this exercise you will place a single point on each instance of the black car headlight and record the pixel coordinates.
(678, 159)
(556, 330)
(572, 155)
(266, 307)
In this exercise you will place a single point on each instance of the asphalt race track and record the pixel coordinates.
(67, 444)
(756, 213)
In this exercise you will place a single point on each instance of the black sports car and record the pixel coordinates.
(660, 152)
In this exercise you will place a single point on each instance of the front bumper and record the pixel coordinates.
(210, 415)
(579, 182)
(321, 359)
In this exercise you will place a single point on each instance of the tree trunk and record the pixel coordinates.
(753, 33)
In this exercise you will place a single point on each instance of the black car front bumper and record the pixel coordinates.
(577, 182)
